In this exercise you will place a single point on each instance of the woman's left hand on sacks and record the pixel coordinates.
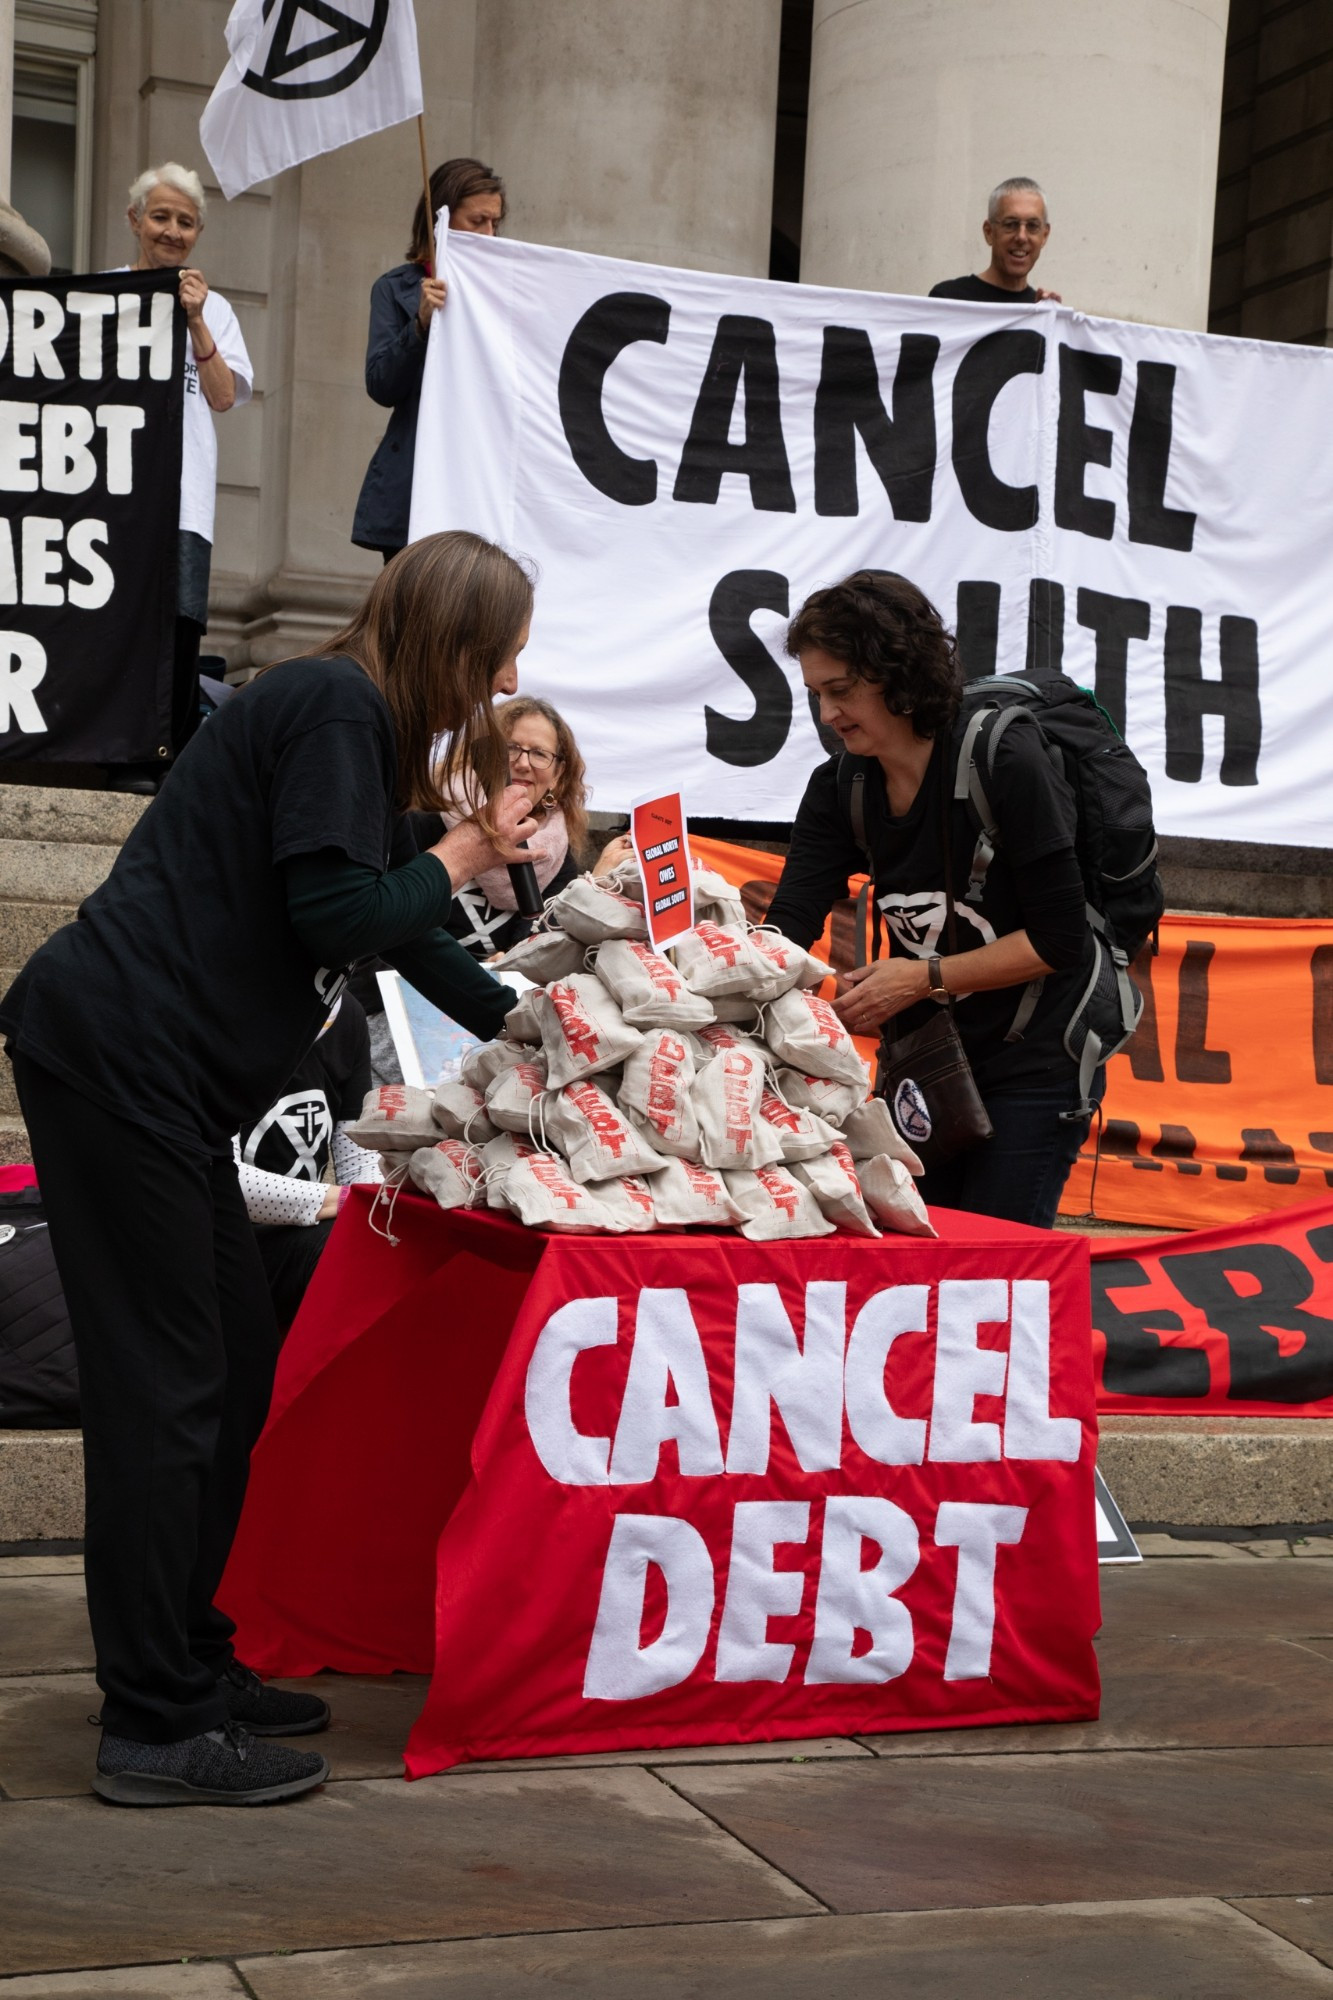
(617, 850)
(872, 994)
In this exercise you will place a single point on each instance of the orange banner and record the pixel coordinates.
(1223, 1105)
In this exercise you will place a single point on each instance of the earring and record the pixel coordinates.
(549, 801)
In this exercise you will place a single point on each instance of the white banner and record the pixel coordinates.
(304, 77)
(688, 456)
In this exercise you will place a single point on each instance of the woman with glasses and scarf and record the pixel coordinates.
(545, 760)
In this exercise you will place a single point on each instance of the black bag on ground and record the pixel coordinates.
(39, 1383)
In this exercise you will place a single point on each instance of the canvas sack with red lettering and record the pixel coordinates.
(544, 956)
(450, 1171)
(591, 910)
(544, 1195)
(803, 1031)
(654, 1094)
(511, 1096)
(892, 1196)
(712, 1041)
(394, 1118)
(594, 1135)
(776, 1205)
(685, 1195)
(582, 1029)
(630, 1201)
(459, 1111)
(648, 989)
(786, 963)
(832, 1181)
(717, 961)
(801, 1134)
(830, 1100)
(870, 1130)
(726, 1098)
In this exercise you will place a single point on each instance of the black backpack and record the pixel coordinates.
(1114, 841)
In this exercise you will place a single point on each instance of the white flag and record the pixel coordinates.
(306, 76)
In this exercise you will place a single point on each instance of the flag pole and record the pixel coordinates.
(425, 186)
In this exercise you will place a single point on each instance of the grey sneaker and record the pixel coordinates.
(223, 1767)
(270, 1711)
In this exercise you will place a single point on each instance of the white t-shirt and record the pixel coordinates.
(199, 443)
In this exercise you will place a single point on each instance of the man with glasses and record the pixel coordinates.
(1016, 228)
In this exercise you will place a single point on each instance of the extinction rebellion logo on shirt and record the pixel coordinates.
(917, 922)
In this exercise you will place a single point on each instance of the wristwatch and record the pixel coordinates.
(938, 990)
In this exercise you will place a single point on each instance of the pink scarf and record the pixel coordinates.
(548, 846)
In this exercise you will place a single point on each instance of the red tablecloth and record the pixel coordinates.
(512, 1461)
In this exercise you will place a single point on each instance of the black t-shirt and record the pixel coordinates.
(979, 290)
(1035, 813)
(180, 999)
(327, 1088)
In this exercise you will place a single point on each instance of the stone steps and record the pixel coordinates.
(1179, 1472)
(57, 845)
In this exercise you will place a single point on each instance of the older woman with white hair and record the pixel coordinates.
(166, 214)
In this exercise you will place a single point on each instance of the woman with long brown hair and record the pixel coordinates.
(144, 1034)
(402, 304)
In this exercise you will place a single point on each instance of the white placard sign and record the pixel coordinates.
(687, 456)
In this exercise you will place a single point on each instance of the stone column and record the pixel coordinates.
(338, 222)
(6, 93)
(634, 130)
(918, 108)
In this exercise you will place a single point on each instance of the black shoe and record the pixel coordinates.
(223, 1767)
(270, 1711)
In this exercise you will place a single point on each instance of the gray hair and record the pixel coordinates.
(170, 174)
(1019, 184)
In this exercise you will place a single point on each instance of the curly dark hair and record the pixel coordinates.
(890, 633)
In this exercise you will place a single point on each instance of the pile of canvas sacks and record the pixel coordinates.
(636, 1091)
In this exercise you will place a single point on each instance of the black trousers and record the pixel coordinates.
(289, 1254)
(176, 1344)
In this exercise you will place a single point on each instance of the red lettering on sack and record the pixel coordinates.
(577, 1027)
(737, 1069)
(461, 1158)
(776, 1112)
(718, 943)
(529, 1074)
(772, 949)
(607, 1126)
(392, 1100)
(842, 1154)
(637, 1191)
(702, 1181)
(667, 981)
(827, 1025)
(547, 1170)
(664, 1083)
(782, 1192)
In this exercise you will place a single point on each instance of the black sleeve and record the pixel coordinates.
(819, 860)
(332, 786)
(563, 875)
(341, 911)
(453, 981)
(1032, 801)
(1051, 898)
(395, 350)
(354, 1059)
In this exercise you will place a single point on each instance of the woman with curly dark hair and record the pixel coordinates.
(876, 657)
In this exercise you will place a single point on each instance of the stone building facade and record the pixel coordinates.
(847, 144)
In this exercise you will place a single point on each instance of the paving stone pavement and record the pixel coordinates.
(1181, 1848)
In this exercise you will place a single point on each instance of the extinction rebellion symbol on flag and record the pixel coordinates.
(361, 39)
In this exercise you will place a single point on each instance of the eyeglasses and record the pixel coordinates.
(540, 760)
(1014, 225)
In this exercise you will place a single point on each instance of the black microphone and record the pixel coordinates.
(527, 890)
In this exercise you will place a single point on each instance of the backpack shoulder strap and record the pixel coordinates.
(852, 797)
